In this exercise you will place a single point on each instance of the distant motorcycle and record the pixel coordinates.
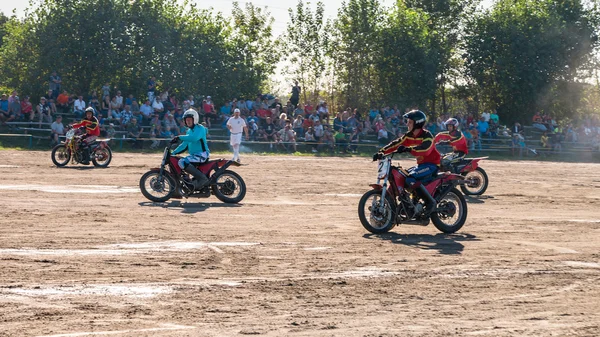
(169, 180)
(475, 178)
(390, 202)
(70, 149)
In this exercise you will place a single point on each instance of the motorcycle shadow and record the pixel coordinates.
(443, 243)
(187, 207)
(476, 199)
(79, 168)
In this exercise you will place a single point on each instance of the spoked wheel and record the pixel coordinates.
(102, 157)
(157, 188)
(229, 187)
(61, 155)
(375, 215)
(476, 182)
(451, 212)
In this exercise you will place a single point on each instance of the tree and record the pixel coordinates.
(409, 62)
(355, 48)
(523, 54)
(305, 43)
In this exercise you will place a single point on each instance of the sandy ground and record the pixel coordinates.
(82, 253)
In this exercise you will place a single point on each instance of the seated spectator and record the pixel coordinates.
(110, 131)
(319, 131)
(129, 101)
(226, 110)
(253, 130)
(113, 111)
(476, 141)
(340, 140)
(327, 141)
(157, 107)
(382, 137)
(58, 129)
(354, 140)
(169, 124)
(62, 102)
(483, 127)
(287, 138)
(4, 105)
(324, 112)
(79, 107)
(44, 112)
(126, 115)
(297, 125)
(270, 130)
(309, 137)
(134, 132)
(14, 111)
(538, 122)
(27, 109)
(147, 111)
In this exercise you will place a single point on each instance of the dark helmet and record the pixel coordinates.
(418, 117)
(453, 122)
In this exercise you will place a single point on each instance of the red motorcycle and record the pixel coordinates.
(169, 180)
(391, 202)
(475, 178)
(100, 152)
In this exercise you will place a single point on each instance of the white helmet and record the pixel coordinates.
(191, 113)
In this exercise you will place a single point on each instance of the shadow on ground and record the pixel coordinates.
(188, 207)
(442, 243)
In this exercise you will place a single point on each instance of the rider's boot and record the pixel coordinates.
(430, 202)
(85, 154)
(200, 178)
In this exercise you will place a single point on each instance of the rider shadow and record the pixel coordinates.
(187, 207)
(480, 199)
(442, 243)
(79, 168)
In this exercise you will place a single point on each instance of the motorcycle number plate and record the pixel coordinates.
(384, 167)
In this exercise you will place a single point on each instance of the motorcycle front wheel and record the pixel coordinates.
(476, 182)
(451, 212)
(157, 188)
(61, 155)
(375, 215)
(229, 187)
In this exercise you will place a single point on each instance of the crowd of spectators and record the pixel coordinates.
(281, 125)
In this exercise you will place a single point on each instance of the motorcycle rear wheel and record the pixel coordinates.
(156, 188)
(451, 212)
(61, 155)
(478, 182)
(102, 157)
(229, 187)
(377, 221)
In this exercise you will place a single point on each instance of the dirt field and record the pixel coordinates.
(82, 252)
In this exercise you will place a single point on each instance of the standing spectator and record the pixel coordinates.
(27, 109)
(106, 91)
(79, 106)
(486, 116)
(236, 125)
(494, 117)
(55, 84)
(58, 129)
(295, 94)
(151, 86)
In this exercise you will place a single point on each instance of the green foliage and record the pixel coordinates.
(123, 42)
(305, 43)
(525, 55)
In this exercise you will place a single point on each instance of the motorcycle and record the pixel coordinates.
(100, 152)
(475, 178)
(391, 202)
(169, 180)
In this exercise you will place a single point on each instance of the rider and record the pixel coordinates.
(419, 142)
(456, 140)
(92, 131)
(194, 141)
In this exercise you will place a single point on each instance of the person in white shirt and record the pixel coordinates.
(236, 125)
(157, 106)
(486, 116)
(79, 106)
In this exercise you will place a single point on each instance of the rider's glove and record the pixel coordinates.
(175, 140)
(402, 149)
(377, 156)
(82, 128)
